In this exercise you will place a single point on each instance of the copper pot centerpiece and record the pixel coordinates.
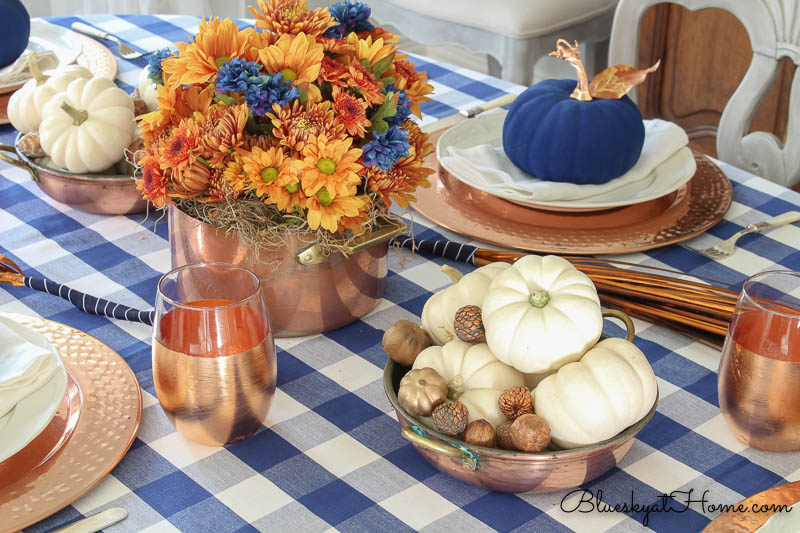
(512, 471)
(103, 194)
(305, 291)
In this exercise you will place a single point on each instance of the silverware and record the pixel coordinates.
(96, 522)
(125, 51)
(486, 106)
(726, 248)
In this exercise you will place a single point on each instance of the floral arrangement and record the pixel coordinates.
(307, 114)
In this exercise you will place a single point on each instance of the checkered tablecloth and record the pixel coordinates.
(330, 456)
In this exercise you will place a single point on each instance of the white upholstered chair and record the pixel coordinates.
(774, 33)
(514, 33)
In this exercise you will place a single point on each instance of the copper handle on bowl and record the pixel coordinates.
(17, 162)
(313, 254)
(630, 329)
(445, 449)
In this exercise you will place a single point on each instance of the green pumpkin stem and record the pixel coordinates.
(79, 116)
(539, 298)
(33, 66)
(452, 273)
(570, 53)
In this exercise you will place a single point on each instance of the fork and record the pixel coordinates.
(726, 248)
(125, 51)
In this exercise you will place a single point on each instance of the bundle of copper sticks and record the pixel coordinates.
(699, 307)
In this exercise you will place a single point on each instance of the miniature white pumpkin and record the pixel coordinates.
(87, 127)
(541, 314)
(148, 90)
(591, 400)
(439, 311)
(25, 105)
(474, 377)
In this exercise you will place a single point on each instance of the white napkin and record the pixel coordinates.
(27, 361)
(664, 157)
(18, 71)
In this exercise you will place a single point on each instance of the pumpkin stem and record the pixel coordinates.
(33, 66)
(539, 298)
(79, 116)
(455, 388)
(569, 53)
(452, 273)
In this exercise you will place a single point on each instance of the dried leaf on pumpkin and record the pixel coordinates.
(617, 80)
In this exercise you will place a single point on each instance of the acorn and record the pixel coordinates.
(451, 418)
(468, 324)
(404, 341)
(502, 436)
(480, 433)
(530, 433)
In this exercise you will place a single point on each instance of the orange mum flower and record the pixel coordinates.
(332, 71)
(233, 174)
(380, 33)
(372, 51)
(291, 17)
(337, 47)
(179, 149)
(331, 164)
(415, 84)
(296, 123)
(262, 141)
(193, 180)
(365, 83)
(265, 170)
(327, 212)
(350, 112)
(218, 190)
(223, 131)
(199, 60)
(297, 57)
(153, 182)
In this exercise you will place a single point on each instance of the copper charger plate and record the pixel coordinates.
(94, 56)
(749, 521)
(92, 430)
(676, 217)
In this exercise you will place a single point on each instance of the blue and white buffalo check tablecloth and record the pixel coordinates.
(331, 456)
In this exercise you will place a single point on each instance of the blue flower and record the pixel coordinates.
(154, 64)
(273, 91)
(238, 76)
(403, 105)
(386, 148)
(351, 17)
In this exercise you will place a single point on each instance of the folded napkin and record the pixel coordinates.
(487, 167)
(27, 361)
(18, 71)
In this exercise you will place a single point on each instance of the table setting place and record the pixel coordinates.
(277, 274)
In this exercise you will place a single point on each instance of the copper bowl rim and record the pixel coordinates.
(626, 434)
(66, 175)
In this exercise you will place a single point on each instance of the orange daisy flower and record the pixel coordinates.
(288, 195)
(372, 51)
(233, 174)
(350, 112)
(223, 131)
(357, 224)
(380, 33)
(365, 83)
(265, 169)
(179, 150)
(153, 182)
(331, 164)
(291, 17)
(297, 57)
(337, 47)
(325, 211)
(200, 59)
(414, 83)
(294, 124)
(332, 71)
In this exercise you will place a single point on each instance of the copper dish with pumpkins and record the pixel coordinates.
(510, 471)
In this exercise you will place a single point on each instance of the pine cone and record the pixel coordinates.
(468, 324)
(451, 418)
(515, 402)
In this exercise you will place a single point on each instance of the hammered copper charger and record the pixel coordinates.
(678, 216)
(754, 515)
(90, 433)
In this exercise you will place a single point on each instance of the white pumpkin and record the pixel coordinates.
(474, 377)
(87, 127)
(439, 311)
(591, 400)
(25, 105)
(148, 90)
(541, 314)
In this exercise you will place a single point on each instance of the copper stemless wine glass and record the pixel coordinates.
(214, 363)
(759, 371)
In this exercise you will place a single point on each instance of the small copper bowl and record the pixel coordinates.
(509, 471)
(103, 194)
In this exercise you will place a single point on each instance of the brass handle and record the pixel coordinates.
(631, 329)
(313, 254)
(445, 449)
(17, 162)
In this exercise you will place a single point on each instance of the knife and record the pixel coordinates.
(96, 522)
(455, 118)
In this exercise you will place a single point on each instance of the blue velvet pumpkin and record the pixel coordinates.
(557, 138)
(15, 29)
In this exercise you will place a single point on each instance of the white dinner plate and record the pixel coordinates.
(32, 414)
(46, 36)
(487, 128)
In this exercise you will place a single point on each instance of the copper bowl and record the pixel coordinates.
(509, 471)
(103, 194)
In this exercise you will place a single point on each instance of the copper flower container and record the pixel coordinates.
(103, 194)
(305, 292)
(511, 471)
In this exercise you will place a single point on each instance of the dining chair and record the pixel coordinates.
(774, 34)
(514, 33)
